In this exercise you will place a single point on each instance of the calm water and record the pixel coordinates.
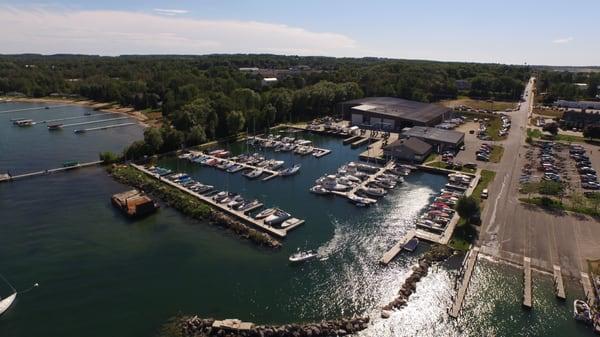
(103, 275)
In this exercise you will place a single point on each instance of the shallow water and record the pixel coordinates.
(103, 275)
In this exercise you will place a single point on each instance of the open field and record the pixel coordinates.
(480, 104)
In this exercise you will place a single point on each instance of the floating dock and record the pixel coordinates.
(462, 291)
(35, 108)
(397, 248)
(559, 288)
(7, 177)
(351, 140)
(95, 122)
(76, 117)
(527, 282)
(104, 127)
(241, 215)
(360, 142)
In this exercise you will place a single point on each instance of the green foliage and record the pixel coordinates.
(467, 207)
(548, 187)
(109, 157)
(561, 85)
(552, 128)
(592, 131)
(235, 122)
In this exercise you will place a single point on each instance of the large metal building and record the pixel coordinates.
(390, 113)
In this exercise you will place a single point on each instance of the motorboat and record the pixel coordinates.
(220, 196)
(300, 256)
(238, 200)
(360, 201)
(253, 174)
(265, 213)
(290, 222)
(330, 182)
(275, 164)
(235, 168)
(318, 189)
(411, 245)
(581, 311)
(290, 170)
(277, 217)
(5, 303)
(247, 205)
(374, 191)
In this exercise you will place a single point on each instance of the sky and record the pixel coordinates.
(554, 32)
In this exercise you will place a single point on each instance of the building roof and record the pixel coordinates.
(398, 107)
(414, 144)
(435, 134)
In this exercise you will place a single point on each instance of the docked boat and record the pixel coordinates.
(411, 245)
(318, 189)
(53, 127)
(265, 213)
(235, 168)
(582, 311)
(290, 170)
(374, 191)
(220, 196)
(277, 217)
(330, 182)
(236, 201)
(247, 205)
(253, 174)
(24, 122)
(303, 256)
(290, 222)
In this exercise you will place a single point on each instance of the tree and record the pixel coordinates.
(153, 140)
(173, 139)
(136, 150)
(108, 157)
(549, 187)
(592, 131)
(552, 128)
(235, 122)
(467, 208)
(196, 136)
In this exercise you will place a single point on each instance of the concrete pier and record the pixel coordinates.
(6, 177)
(462, 291)
(588, 289)
(397, 248)
(359, 142)
(241, 215)
(527, 282)
(559, 288)
(351, 139)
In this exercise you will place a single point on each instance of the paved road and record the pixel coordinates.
(511, 230)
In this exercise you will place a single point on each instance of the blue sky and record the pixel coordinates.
(549, 32)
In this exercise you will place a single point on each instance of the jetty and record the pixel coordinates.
(7, 177)
(559, 288)
(397, 248)
(360, 142)
(588, 289)
(104, 127)
(241, 215)
(468, 268)
(75, 117)
(94, 122)
(527, 282)
(272, 174)
(351, 139)
(34, 108)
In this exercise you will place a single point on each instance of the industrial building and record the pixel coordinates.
(411, 149)
(391, 114)
(441, 140)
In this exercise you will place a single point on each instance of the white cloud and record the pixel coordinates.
(170, 12)
(36, 30)
(563, 40)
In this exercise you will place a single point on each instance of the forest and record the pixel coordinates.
(555, 85)
(209, 97)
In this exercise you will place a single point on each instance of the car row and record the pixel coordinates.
(484, 152)
(587, 174)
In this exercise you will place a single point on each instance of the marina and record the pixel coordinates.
(301, 147)
(228, 163)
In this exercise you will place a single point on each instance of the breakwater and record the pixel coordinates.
(188, 205)
(437, 253)
(199, 327)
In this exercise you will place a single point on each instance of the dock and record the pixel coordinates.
(559, 288)
(360, 142)
(240, 215)
(76, 117)
(527, 282)
(35, 108)
(351, 139)
(588, 289)
(7, 177)
(272, 174)
(322, 151)
(462, 291)
(104, 127)
(94, 122)
(397, 248)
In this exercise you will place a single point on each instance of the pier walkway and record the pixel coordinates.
(527, 282)
(272, 174)
(35, 108)
(588, 289)
(6, 177)
(559, 288)
(105, 127)
(241, 215)
(462, 291)
(395, 250)
(76, 117)
(94, 122)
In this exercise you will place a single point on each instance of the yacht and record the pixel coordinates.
(330, 182)
(290, 170)
(303, 256)
(277, 217)
(265, 213)
(374, 191)
(253, 174)
(236, 201)
(220, 196)
(247, 205)
(581, 311)
(318, 189)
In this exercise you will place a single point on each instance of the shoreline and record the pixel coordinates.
(138, 115)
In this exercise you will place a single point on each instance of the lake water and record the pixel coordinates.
(101, 274)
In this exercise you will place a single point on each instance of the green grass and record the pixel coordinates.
(496, 154)
(431, 157)
(576, 205)
(553, 113)
(445, 166)
(463, 236)
(534, 133)
(486, 178)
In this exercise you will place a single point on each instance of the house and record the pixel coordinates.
(410, 149)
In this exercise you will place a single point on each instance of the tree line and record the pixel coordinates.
(555, 85)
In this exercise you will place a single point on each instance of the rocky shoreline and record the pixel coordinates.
(204, 327)
(189, 205)
(437, 253)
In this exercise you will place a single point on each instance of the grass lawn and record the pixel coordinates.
(486, 178)
(445, 166)
(552, 113)
(481, 104)
(432, 156)
(496, 154)
(536, 133)
(463, 236)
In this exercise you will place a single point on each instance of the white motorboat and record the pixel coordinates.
(265, 213)
(318, 189)
(303, 256)
(290, 171)
(5, 303)
(581, 311)
(374, 191)
(290, 222)
(236, 201)
(253, 174)
(277, 217)
(330, 182)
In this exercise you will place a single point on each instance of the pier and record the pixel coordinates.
(321, 151)
(6, 177)
(397, 248)
(104, 127)
(35, 108)
(527, 282)
(241, 215)
(462, 291)
(559, 288)
(272, 174)
(351, 139)
(94, 122)
(76, 117)
(588, 289)
(360, 142)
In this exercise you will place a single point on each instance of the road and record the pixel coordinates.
(511, 230)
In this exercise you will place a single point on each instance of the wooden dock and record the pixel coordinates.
(559, 288)
(49, 171)
(241, 215)
(397, 248)
(588, 289)
(527, 282)
(351, 139)
(462, 291)
(360, 142)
